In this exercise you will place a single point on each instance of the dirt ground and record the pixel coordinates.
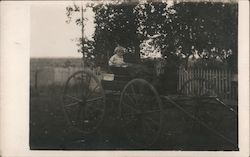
(49, 130)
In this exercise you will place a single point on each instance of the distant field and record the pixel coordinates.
(48, 71)
(54, 62)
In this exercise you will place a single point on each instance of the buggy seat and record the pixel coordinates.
(118, 78)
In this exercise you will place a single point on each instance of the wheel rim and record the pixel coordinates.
(141, 113)
(84, 101)
(198, 87)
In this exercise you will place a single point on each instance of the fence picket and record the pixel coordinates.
(220, 78)
(216, 79)
(230, 84)
(226, 83)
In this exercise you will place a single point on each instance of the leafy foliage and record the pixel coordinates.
(115, 25)
(208, 28)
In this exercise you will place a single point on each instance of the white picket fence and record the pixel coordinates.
(224, 80)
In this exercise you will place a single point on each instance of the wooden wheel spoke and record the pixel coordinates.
(86, 91)
(129, 106)
(84, 84)
(88, 79)
(92, 91)
(72, 104)
(130, 98)
(142, 97)
(95, 99)
(76, 80)
(133, 92)
(74, 98)
(86, 88)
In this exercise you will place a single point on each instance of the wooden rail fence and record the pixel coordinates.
(224, 80)
(53, 76)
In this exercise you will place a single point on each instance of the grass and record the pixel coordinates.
(49, 130)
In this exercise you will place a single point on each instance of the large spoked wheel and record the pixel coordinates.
(198, 87)
(141, 113)
(84, 101)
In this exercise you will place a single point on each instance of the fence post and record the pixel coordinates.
(36, 81)
(36, 75)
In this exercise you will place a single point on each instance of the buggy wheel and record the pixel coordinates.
(84, 101)
(141, 113)
(198, 87)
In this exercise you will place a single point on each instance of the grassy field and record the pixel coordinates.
(55, 62)
(49, 130)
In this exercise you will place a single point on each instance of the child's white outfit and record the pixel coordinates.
(116, 60)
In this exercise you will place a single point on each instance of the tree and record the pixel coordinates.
(85, 45)
(202, 26)
(208, 28)
(116, 24)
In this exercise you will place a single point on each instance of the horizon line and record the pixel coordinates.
(48, 57)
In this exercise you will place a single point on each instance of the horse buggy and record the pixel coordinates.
(143, 108)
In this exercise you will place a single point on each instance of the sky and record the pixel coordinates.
(51, 36)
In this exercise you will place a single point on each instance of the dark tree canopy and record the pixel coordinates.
(115, 25)
(206, 26)
(209, 28)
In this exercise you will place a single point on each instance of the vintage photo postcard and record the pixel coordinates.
(125, 78)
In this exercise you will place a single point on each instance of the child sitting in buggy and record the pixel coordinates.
(119, 67)
(117, 58)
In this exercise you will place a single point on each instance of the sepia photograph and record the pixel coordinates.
(134, 75)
